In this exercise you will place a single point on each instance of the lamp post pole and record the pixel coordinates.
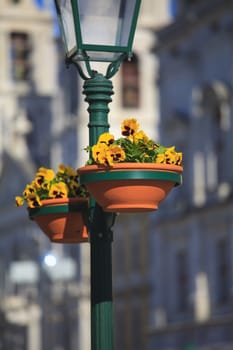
(98, 31)
(98, 91)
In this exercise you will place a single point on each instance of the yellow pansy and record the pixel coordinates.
(129, 127)
(48, 185)
(44, 174)
(170, 149)
(34, 201)
(179, 157)
(160, 158)
(45, 185)
(170, 155)
(98, 152)
(115, 154)
(47, 173)
(140, 135)
(106, 138)
(58, 190)
(19, 201)
(63, 169)
(102, 158)
(29, 190)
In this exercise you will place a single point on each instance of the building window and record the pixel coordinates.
(212, 111)
(20, 56)
(217, 108)
(223, 273)
(39, 146)
(130, 83)
(182, 280)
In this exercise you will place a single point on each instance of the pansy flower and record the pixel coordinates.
(106, 138)
(58, 190)
(44, 174)
(29, 190)
(98, 152)
(19, 201)
(135, 146)
(66, 170)
(47, 185)
(140, 136)
(129, 127)
(179, 157)
(170, 155)
(115, 154)
(33, 201)
(161, 158)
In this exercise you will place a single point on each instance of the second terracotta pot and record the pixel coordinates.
(63, 220)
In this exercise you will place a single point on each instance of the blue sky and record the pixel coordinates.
(39, 3)
(49, 4)
(173, 7)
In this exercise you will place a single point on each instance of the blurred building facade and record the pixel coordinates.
(192, 260)
(38, 126)
(173, 269)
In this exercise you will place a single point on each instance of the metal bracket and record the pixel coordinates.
(112, 68)
(101, 225)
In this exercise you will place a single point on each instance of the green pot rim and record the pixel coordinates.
(58, 209)
(131, 175)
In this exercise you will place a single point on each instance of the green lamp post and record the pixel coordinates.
(100, 31)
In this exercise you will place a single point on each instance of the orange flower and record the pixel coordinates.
(115, 154)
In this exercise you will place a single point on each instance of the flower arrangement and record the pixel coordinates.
(47, 185)
(134, 147)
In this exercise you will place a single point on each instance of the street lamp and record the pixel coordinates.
(100, 31)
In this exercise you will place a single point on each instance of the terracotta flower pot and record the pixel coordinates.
(130, 187)
(63, 220)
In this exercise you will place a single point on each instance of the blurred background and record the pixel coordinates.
(173, 269)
